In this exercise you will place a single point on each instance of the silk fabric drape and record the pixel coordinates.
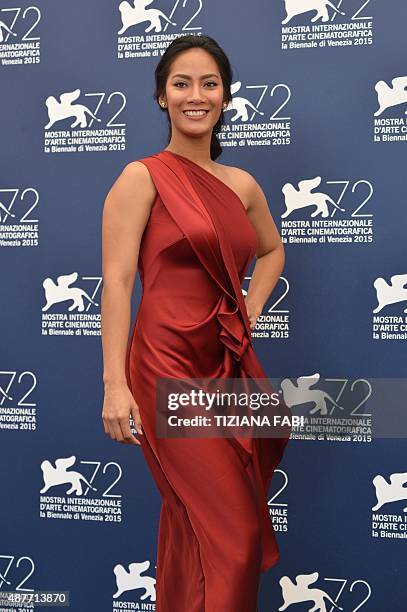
(215, 533)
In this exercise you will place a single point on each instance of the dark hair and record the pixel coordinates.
(183, 43)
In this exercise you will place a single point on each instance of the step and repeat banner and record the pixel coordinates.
(319, 118)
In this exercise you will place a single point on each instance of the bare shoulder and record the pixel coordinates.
(136, 175)
(242, 176)
(133, 191)
(242, 182)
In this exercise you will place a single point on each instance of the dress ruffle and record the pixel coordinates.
(233, 332)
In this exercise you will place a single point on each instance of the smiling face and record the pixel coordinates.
(194, 93)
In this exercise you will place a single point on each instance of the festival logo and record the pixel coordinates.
(71, 306)
(15, 574)
(146, 30)
(138, 13)
(390, 123)
(16, 592)
(18, 405)
(392, 524)
(351, 595)
(393, 324)
(19, 40)
(278, 509)
(274, 322)
(333, 408)
(74, 495)
(134, 578)
(254, 116)
(318, 7)
(18, 228)
(319, 24)
(316, 213)
(74, 131)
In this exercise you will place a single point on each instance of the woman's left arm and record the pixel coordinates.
(270, 256)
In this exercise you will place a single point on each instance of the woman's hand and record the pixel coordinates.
(118, 404)
(253, 312)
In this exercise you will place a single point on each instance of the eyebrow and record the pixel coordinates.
(205, 76)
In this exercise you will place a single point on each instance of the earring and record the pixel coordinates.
(163, 104)
(224, 105)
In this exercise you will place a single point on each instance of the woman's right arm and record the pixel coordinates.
(125, 214)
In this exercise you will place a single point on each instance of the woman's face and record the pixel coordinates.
(194, 84)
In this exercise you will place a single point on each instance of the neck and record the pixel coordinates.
(197, 150)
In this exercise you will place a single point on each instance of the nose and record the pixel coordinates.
(195, 94)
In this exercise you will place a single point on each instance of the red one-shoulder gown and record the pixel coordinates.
(215, 534)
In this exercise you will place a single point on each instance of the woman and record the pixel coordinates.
(192, 226)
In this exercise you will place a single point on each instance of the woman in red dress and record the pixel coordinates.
(191, 226)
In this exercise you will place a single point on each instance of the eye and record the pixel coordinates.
(182, 83)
